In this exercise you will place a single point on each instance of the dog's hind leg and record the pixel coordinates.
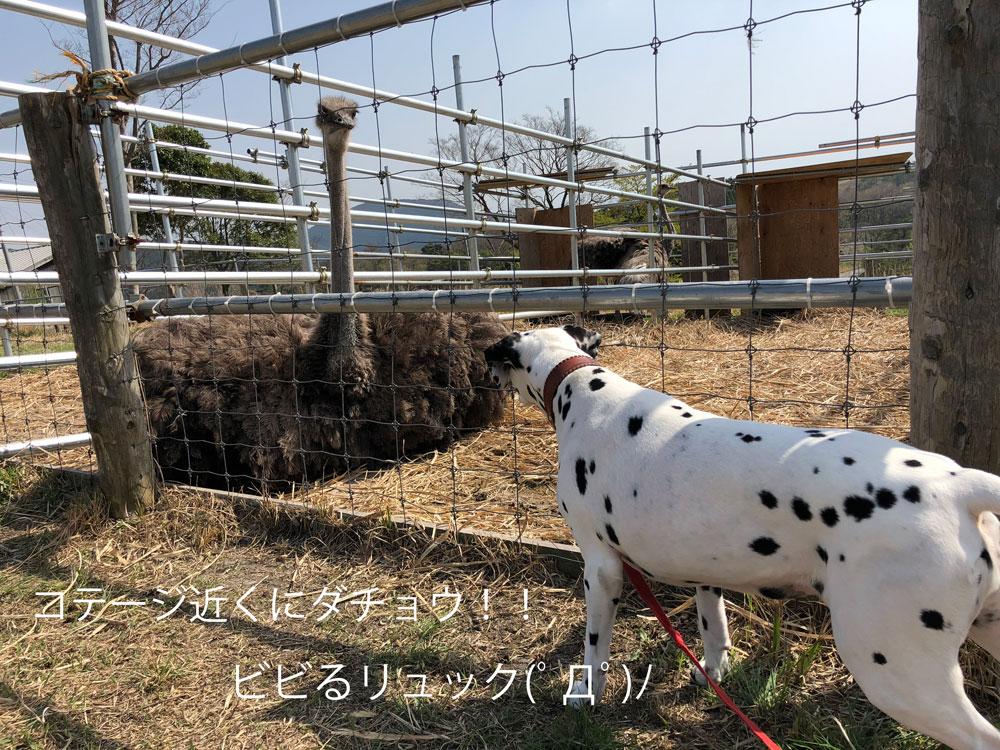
(602, 575)
(904, 655)
(714, 634)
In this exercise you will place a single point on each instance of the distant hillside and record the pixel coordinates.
(378, 239)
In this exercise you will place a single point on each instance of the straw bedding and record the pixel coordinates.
(503, 478)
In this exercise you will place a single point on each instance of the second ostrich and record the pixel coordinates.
(243, 401)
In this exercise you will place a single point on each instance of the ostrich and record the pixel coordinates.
(244, 401)
(622, 252)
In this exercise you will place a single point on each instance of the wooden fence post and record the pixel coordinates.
(954, 338)
(64, 163)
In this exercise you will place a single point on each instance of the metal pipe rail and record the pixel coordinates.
(877, 256)
(190, 206)
(905, 225)
(280, 71)
(25, 278)
(33, 322)
(305, 141)
(44, 445)
(24, 361)
(888, 291)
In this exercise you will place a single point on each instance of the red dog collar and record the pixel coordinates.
(558, 374)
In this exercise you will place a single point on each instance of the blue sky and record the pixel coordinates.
(800, 63)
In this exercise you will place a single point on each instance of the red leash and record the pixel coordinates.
(647, 596)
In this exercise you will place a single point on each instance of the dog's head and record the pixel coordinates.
(525, 359)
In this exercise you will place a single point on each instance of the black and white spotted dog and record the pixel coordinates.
(898, 542)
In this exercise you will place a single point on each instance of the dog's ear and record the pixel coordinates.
(504, 352)
(586, 340)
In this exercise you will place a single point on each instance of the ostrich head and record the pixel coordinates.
(336, 117)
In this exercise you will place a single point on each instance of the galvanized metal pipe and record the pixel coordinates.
(26, 278)
(463, 145)
(44, 445)
(168, 232)
(892, 291)
(193, 48)
(114, 161)
(291, 150)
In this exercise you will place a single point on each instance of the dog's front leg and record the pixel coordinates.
(714, 634)
(602, 581)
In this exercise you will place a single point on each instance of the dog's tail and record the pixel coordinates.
(983, 491)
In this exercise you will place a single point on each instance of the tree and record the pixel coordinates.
(954, 346)
(523, 153)
(205, 230)
(634, 214)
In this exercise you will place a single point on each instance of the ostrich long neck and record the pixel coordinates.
(345, 331)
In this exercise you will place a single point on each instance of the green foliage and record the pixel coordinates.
(206, 230)
(632, 213)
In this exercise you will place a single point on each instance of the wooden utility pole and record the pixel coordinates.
(64, 163)
(955, 312)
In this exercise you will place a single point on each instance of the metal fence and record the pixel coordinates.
(239, 336)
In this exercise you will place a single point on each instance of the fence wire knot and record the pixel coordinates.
(857, 5)
(749, 26)
(856, 109)
(751, 123)
(573, 60)
(655, 45)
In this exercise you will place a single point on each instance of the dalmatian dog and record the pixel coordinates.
(900, 543)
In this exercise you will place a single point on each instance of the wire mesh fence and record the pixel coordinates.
(269, 365)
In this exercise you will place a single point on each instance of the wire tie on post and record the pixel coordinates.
(225, 305)
(270, 303)
(888, 289)
(434, 305)
(635, 307)
(312, 302)
(353, 308)
(809, 297)
(490, 298)
(394, 17)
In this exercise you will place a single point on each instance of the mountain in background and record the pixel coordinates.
(378, 239)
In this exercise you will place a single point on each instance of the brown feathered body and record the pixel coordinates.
(621, 252)
(240, 401)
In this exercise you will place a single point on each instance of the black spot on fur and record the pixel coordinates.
(768, 498)
(529, 368)
(596, 384)
(559, 404)
(705, 588)
(612, 536)
(848, 461)
(564, 507)
(815, 470)
(568, 391)
(686, 414)
(858, 507)
(932, 619)
(822, 554)
(586, 583)
(677, 407)
(912, 493)
(764, 545)
(599, 537)
(842, 558)
(773, 592)
(913, 462)
(885, 498)
(581, 476)
(816, 433)
(572, 424)
(635, 492)
(597, 370)
(717, 591)
(878, 658)
(592, 466)
(615, 601)
(819, 586)
(565, 411)
(869, 488)
(750, 438)
(802, 510)
(830, 516)
(704, 623)
(986, 556)
(634, 425)
(607, 503)
(593, 639)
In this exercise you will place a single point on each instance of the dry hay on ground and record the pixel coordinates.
(139, 677)
(799, 377)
